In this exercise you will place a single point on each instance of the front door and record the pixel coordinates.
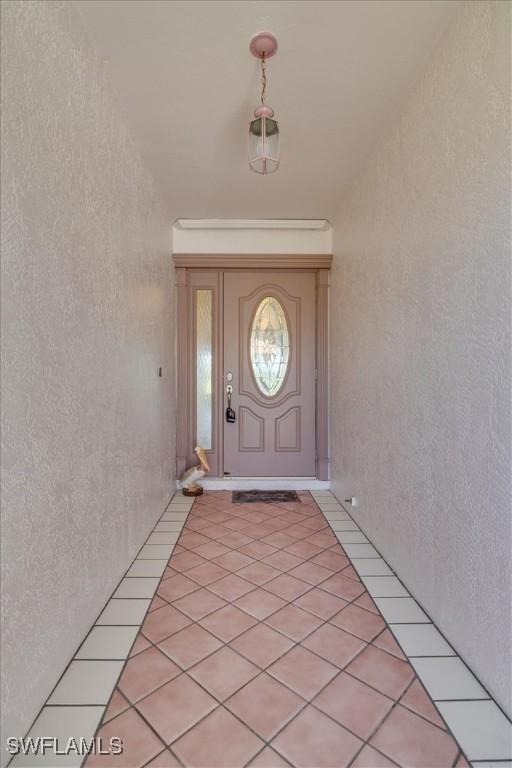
(269, 362)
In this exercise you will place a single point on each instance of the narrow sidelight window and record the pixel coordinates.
(204, 377)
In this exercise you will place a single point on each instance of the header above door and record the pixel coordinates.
(253, 261)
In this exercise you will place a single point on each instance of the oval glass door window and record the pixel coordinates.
(269, 346)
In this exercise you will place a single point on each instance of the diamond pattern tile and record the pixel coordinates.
(219, 741)
(312, 739)
(190, 646)
(262, 648)
(262, 645)
(294, 622)
(354, 704)
(223, 673)
(334, 644)
(280, 706)
(145, 672)
(302, 671)
(176, 707)
(382, 671)
(228, 622)
(410, 740)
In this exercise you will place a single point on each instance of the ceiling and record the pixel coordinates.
(187, 85)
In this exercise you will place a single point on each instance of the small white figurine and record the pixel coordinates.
(189, 480)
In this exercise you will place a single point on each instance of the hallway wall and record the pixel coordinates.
(421, 342)
(87, 320)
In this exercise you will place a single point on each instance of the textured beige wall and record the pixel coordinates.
(87, 319)
(421, 342)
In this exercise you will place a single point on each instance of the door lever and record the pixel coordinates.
(230, 414)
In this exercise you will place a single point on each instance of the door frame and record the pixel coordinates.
(196, 271)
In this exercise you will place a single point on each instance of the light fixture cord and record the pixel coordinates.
(263, 78)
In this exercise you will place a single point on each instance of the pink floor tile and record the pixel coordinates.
(298, 531)
(146, 672)
(370, 758)
(312, 739)
(206, 573)
(164, 760)
(235, 540)
(303, 672)
(163, 622)
(140, 744)
(176, 587)
(199, 604)
(386, 642)
(267, 758)
(258, 573)
(287, 587)
(335, 561)
(223, 673)
(366, 602)
(258, 550)
(184, 561)
(412, 741)
(359, 622)
(156, 602)
(192, 539)
(212, 549)
(335, 645)
(382, 671)
(219, 741)
(278, 539)
(353, 704)
(233, 561)
(320, 603)
(176, 707)
(190, 646)
(416, 698)
(117, 704)
(260, 603)
(339, 585)
(261, 645)
(228, 622)
(139, 645)
(310, 572)
(279, 705)
(231, 587)
(216, 531)
(263, 577)
(350, 573)
(283, 561)
(294, 622)
(303, 549)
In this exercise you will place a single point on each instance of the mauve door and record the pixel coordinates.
(269, 350)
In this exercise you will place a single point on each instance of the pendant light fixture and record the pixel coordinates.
(263, 130)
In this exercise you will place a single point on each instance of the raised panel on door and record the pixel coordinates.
(269, 349)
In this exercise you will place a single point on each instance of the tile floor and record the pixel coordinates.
(262, 647)
(271, 641)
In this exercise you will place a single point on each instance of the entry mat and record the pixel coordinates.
(266, 497)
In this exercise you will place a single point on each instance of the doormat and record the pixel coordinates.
(265, 497)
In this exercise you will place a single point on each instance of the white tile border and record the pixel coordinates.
(76, 704)
(61, 723)
(482, 729)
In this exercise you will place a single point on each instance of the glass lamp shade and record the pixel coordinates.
(264, 145)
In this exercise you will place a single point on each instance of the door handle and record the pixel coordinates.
(230, 414)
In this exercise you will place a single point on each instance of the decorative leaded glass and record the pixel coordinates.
(204, 368)
(269, 346)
